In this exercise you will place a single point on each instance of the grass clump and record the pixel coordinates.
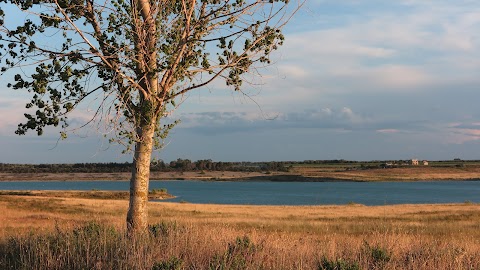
(158, 191)
(173, 263)
(377, 256)
(162, 229)
(239, 255)
(338, 264)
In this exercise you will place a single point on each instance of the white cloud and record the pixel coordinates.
(460, 133)
(322, 119)
(418, 49)
(389, 131)
(327, 111)
(294, 71)
(390, 77)
(405, 42)
(11, 114)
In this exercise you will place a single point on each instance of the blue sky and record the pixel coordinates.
(359, 80)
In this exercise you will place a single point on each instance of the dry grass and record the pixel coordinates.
(208, 175)
(155, 194)
(278, 237)
(408, 173)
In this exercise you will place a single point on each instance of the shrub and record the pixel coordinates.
(173, 264)
(163, 228)
(158, 191)
(339, 264)
(239, 255)
(377, 255)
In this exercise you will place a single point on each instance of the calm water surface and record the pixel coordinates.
(285, 193)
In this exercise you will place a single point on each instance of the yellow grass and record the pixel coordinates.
(290, 237)
(407, 173)
(208, 175)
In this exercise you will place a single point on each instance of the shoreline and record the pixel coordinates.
(241, 177)
(162, 197)
(84, 194)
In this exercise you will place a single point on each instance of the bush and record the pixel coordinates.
(239, 255)
(173, 264)
(163, 229)
(338, 264)
(377, 255)
(158, 191)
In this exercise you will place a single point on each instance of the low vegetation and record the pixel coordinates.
(42, 232)
(179, 165)
(207, 165)
(309, 170)
(158, 194)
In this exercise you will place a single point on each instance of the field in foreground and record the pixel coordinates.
(44, 232)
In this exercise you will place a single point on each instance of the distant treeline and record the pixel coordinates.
(343, 161)
(183, 165)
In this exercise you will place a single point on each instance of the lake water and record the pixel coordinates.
(285, 193)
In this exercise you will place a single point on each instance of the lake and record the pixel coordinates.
(285, 193)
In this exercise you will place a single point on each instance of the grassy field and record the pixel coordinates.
(403, 173)
(42, 231)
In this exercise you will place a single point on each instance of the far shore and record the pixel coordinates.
(85, 194)
(310, 174)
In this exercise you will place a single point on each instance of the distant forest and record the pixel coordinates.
(184, 165)
(181, 165)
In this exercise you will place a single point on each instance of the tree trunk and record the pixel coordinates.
(137, 212)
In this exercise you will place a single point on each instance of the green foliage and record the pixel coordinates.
(162, 229)
(339, 264)
(158, 191)
(144, 58)
(94, 230)
(173, 263)
(239, 255)
(377, 255)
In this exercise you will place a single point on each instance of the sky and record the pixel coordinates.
(355, 80)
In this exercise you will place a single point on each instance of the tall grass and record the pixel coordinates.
(170, 245)
(58, 233)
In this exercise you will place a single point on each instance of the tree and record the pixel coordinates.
(146, 54)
